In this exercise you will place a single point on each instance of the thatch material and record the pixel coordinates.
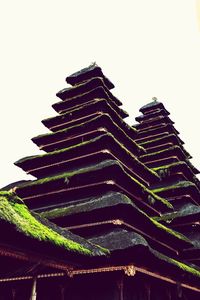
(14, 212)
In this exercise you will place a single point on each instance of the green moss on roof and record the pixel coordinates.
(49, 154)
(158, 139)
(160, 199)
(68, 175)
(165, 170)
(186, 210)
(84, 143)
(161, 151)
(169, 166)
(112, 104)
(13, 211)
(187, 268)
(88, 122)
(180, 184)
(95, 167)
(134, 158)
(88, 204)
(85, 107)
(170, 231)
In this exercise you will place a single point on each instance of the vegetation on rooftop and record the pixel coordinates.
(187, 268)
(186, 210)
(86, 123)
(170, 231)
(169, 165)
(87, 105)
(15, 212)
(84, 143)
(67, 175)
(161, 151)
(88, 204)
(181, 184)
(158, 139)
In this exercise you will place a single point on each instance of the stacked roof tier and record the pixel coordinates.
(100, 178)
(179, 184)
(92, 146)
(166, 155)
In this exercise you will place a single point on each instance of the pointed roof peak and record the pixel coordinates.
(155, 99)
(154, 104)
(93, 70)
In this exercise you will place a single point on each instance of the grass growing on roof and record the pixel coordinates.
(14, 211)
(158, 139)
(187, 268)
(84, 106)
(55, 152)
(174, 186)
(88, 204)
(99, 166)
(88, 122)
(67, 175)
(85, 143)
(161, 151)
(186, 210)
(169, 165)
(170, 231)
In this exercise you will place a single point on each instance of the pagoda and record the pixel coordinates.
(179, 185)
(127, 194)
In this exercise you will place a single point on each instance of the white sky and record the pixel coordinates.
(147, 48)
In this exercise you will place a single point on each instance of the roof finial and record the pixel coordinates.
(93, 64)
(155, 99)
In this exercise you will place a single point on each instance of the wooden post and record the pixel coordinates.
(120, 285)
(62, 292)
(13, 293)
(148, 291)
(34, 292)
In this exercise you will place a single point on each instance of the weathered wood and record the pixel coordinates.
(34, 290)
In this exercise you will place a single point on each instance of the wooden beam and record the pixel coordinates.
(29, 256)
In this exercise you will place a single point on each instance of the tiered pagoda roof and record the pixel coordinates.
(129, 192)
(166, 155)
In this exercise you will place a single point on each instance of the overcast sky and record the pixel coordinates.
(148, 48)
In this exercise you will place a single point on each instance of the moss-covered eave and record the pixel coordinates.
(170, 231)
(40, 139)
(179, 166)
(162, 112)
(179, 185)
(96, 167)
(30, 160)
(13, 211)
(84, 106)
(190, 270)
(168, 137)
(188, 211)
(175, 149)
(83, 87)
(89, 205)
(67, 175)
